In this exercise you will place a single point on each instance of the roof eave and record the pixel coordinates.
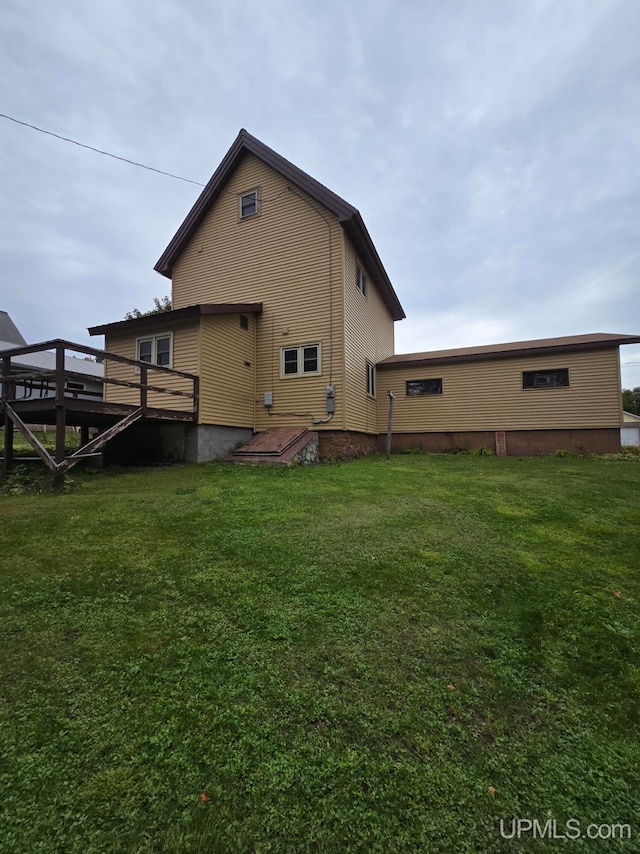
(399, 362)
(348, 216)
(178, 315)
(243, 144)
(357, 231)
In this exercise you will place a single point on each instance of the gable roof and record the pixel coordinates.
(9, 332)
(348, 216)
(536, 347)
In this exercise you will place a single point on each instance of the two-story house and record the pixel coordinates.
(282, 307)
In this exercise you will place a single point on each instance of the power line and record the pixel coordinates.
(100, 151)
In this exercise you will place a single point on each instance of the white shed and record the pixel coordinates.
(630, 433)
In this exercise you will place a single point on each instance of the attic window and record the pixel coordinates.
(361, 280)
(248, 204)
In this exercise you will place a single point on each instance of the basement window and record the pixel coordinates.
(557, 378)
(248, 204)
(371, 379)
(418, 388)
(156, 351)
(300, 361)
(361, 280)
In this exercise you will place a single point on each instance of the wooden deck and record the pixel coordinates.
(63, 406)
(88, 413)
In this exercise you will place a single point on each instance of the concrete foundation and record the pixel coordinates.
(160, 441)
(345, 444)
(204, 442)
(519, 443)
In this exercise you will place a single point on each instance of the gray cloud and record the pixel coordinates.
(492, 148)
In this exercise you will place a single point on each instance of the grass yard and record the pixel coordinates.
(362, 657)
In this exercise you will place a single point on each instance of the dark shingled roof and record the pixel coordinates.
(9, 332)
(178, 314)
(536, 347)
(348, 216)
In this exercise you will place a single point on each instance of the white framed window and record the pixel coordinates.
(249, 204)
(361, 280)
(156, 350)
(300, 361)
(371, 379)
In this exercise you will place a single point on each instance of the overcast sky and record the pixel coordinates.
(493, 149)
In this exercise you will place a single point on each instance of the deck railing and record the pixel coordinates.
(56, 379)
(63, 398)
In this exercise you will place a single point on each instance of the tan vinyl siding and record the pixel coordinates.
(280, 258)
(368, 336)
(227, 364)
(488, 395)
(185, 358)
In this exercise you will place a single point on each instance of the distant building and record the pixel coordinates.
(35, 371)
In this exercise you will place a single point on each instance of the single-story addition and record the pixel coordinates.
(520, 398)
(282, 308)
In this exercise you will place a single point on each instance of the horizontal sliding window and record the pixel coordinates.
(557, 378)
(300, 361)
(418, 388)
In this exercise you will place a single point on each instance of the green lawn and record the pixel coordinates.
(370, 657)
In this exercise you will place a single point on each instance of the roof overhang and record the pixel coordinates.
(539, 347)
(348, 216)
(178, 315)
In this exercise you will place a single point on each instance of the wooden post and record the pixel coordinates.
(501, 443)
(143, 389)
(7, 464)
(196, 397)
(392, 397)
(61, 415)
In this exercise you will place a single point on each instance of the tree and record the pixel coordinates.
(631, 400)
(160, 306)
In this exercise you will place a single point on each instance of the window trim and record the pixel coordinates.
(371, 380)
(300, 348)
(241, 196)
(154, 350)
(424, 393)
(361, 279)
(546, 387)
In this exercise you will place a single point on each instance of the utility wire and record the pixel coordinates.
(100, 151)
